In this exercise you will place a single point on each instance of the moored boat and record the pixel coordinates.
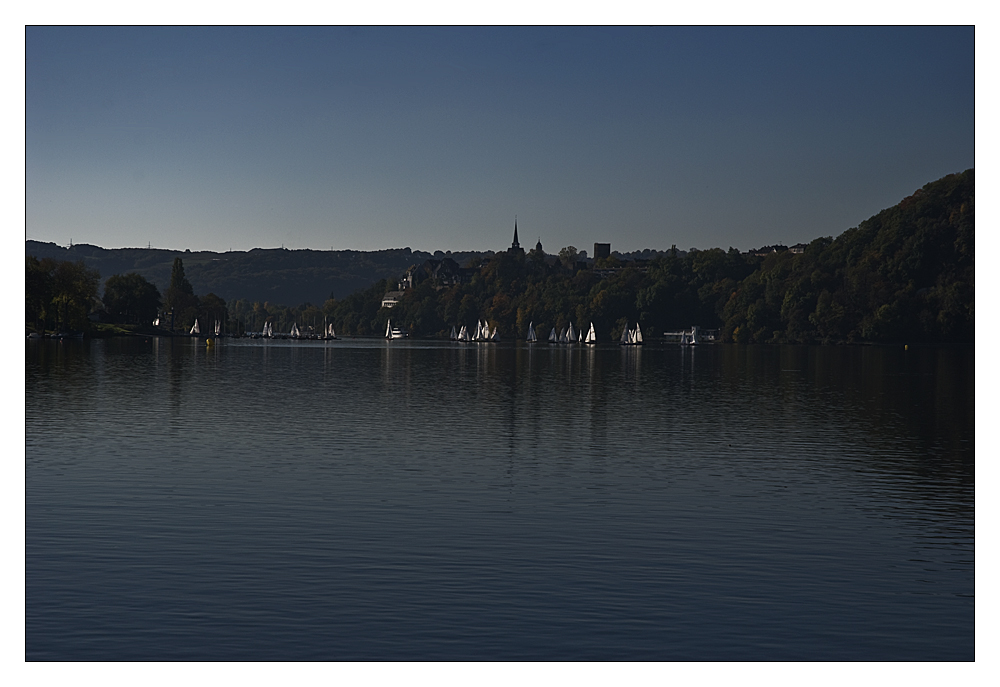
(393, 332)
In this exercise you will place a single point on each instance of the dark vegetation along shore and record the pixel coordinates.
(906, 274)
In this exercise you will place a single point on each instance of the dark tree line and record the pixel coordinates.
(59, 295)
(130, 299)
(182, 306)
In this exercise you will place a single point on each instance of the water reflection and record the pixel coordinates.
(423, 499)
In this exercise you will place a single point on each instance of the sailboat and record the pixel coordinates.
(591, 335)
(553, 337)
(218, 327)
(531, 333)
(463, 334)
(295, 331)
(579, 336)
(494, 336)
(330, 333)
(454, 335)
(195, 329)
(562, 337)
(570, 334)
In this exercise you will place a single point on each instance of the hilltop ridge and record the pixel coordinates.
(277, 275)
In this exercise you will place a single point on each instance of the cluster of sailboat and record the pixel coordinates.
(482, 334)
(568, 335)
(631, 337)
(267, 332)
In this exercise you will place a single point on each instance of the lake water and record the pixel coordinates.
(364, 499)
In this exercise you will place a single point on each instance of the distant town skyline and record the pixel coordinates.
(435, 138)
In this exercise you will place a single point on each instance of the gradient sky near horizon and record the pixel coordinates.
(435, 138)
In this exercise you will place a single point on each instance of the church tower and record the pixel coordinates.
(515, 247)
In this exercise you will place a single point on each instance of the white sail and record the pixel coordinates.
(295, 331)
(553, 337)
(195, 329)
(388, 329)
(591, 335)
(454, 334)
(531, 332)
(270, 329)
(638, 334)
(330, 332)
(625, 335)
(218, 327)
(579, 336)
(494, 336)
(570, 334)
(463, 334)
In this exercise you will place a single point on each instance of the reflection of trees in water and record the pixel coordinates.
(916, 407)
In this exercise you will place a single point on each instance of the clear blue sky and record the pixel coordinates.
(434, 138)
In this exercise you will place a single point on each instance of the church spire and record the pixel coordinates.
(515, 244)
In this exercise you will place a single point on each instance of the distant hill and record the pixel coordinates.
(277, 275)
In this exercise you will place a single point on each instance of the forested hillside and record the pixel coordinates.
(906, 274)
